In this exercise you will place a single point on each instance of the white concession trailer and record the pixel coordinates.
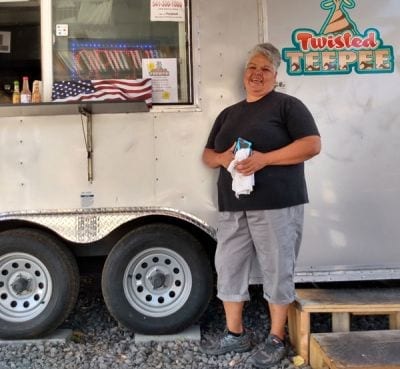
(125, 181)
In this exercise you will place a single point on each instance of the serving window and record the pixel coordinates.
(125, 42)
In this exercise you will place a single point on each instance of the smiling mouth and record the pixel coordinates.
(256, 81)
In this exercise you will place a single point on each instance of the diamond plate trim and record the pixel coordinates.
(89, 225)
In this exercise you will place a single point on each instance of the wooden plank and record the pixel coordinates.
(340, 322)
(372, 313)
(394, 320)
(348, 300)
(303, 333)
(318, 358)
(299, 330)
(292, 324)
(356, 350)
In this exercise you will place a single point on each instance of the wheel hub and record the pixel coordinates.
(158, 279)
(21, 284)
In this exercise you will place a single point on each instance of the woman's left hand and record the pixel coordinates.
(252, 164)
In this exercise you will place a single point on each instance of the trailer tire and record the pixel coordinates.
(39, 283)
(157, 280)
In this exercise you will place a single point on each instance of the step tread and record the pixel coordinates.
(358, 350)
(371, 299)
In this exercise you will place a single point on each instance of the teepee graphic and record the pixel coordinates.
(338, 19)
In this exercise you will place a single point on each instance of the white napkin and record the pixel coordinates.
(241, 185)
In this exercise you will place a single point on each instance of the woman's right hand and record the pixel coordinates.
(227, 157)
(215, 159)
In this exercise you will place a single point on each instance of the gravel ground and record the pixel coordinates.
(99, 343)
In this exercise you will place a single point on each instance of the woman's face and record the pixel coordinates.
(259, 77)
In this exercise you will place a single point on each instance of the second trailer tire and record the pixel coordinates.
(39, 283)
(157, 280)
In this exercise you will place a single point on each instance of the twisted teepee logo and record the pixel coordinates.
(339, 47)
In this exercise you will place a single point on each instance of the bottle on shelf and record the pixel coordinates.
(36, 98)
(16, 96)
(26, 95)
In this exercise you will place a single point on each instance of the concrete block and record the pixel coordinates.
(190, 334)
(58, 336)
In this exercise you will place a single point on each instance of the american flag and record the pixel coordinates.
(103, 90)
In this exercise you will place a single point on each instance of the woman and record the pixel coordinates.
(267, 223)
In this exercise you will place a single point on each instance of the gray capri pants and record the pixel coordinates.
(274, 237)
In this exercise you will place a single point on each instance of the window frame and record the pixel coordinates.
(47, 49)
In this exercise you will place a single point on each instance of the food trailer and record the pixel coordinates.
(109, 162)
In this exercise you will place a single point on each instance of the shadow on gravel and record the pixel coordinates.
(91, 315)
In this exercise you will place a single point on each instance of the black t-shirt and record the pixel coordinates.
(270, 123)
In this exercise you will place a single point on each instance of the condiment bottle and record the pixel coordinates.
(36, 92)
(16, 96)
(26, 95)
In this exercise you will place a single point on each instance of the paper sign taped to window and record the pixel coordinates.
(167, 10)
(164, 79)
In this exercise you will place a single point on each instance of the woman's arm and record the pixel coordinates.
(214, 159)
(297, 152)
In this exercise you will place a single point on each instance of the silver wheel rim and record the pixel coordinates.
(157, 282)
(25, 287)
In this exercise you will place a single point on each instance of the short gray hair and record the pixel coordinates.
(269, 51)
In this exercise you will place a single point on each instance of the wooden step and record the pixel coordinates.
(341, 303)
(355, 350)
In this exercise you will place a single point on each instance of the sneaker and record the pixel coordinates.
(228, 343)
(269, 354)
